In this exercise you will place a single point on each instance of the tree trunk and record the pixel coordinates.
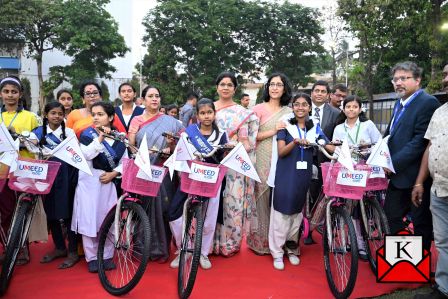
(333, 66)
(41, 85)
(436, 64)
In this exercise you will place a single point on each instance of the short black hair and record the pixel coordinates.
(340, 87)
(286, 96)
(192, 95)
(126, 84)
(89, 82)
(244, 95)
(321, 83)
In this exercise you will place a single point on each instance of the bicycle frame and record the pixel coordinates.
(117, 207)
(23, 197)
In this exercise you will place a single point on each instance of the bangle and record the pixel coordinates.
(416, 185)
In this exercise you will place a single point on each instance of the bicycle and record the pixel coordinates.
(373, 229)
(127, 227)
(34, 178)
(195, 208)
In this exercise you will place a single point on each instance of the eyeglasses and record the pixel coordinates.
(402, 79)
(278, 85)
(297, 105)
(339, 95)
(228, 85)
(91, 94)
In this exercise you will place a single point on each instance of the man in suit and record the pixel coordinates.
(326, 115)
(406, 130)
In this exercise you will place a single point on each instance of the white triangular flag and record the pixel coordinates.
(380, 155)
(345, 158)
(170, 163)
(239, 160)
(184, 150)
(6, 141)
(10, 158)
(142, 158)
(70, 152)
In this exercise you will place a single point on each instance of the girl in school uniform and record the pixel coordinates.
(96, 195)
(292, 180)
(58, 203)
(207, 129)
(16, 119)
(356, 129)
(128, 109)
(354, 125)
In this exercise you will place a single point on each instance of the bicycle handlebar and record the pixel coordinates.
(215, 149)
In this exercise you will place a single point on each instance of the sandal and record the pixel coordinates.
(70, 261)
(51, 256)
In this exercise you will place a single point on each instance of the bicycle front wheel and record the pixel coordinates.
(190, 251)
(17, 239)
(122, 259)
(374, 230)
(340, 253)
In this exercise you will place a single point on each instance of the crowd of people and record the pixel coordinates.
(267, 212)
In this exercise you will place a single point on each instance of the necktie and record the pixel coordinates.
(316, 114)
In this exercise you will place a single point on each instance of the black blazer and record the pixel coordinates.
(137, 111)
(406, 141)
(329, 117)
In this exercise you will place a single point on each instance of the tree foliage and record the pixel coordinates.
(191, 41)
(394, 31)
(82, 29)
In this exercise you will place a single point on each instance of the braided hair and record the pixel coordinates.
(50, 106)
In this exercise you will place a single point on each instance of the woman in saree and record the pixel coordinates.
(241, 125)
(276, 97)
(81, 119)
(152, 124)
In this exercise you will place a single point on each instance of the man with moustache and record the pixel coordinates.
(435, 162)
(406, 130)
(337, 95)
(245, 100)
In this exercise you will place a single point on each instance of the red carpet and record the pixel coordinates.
(245, 275)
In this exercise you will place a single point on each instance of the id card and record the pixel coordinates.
(301, 165)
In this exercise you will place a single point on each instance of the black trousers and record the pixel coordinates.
(58, 237)
(398, 204)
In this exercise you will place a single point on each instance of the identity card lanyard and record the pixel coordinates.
(301, 164)
(357, 134)
(13, 119)
(397, 117)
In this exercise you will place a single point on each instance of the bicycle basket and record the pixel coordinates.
(331, 188)
(133, 181)
(373, 184)
(192, 186)
(33, 176)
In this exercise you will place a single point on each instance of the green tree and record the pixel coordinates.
(82, 29)
(190, 42)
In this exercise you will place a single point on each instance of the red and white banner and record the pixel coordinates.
(239, 160)
(31, 170)
(204, 173)
(157, 173)
(70, 152)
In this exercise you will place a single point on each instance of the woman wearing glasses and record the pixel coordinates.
(276, 97)
(81, 119)
(152, 124)
(241, 125)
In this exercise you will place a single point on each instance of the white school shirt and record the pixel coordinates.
(368, 132)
